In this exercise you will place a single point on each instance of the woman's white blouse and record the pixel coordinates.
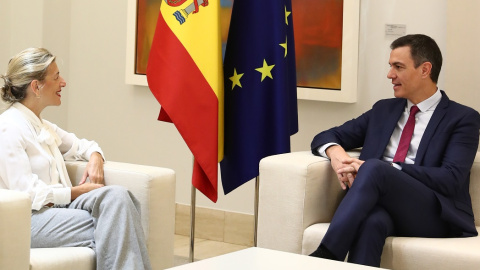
(29, 157)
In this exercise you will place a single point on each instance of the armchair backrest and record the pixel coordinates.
(475, 188)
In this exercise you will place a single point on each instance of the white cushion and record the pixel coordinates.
(412, 252)
(71, 258)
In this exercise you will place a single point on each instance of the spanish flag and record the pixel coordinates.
(185, 75)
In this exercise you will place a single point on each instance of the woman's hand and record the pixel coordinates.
(94, 170)
(83, 188)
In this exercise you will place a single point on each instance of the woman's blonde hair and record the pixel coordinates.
(28, 65)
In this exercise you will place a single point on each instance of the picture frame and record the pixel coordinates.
(349, 71)
(349, 78)
(130, 75)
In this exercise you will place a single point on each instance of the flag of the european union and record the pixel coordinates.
(260, 87)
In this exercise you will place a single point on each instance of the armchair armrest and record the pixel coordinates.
(296, 190)
(154, 187)
(15, 212)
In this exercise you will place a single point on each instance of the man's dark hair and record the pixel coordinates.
(423, 49)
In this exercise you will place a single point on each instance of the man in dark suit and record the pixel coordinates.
(414, 185)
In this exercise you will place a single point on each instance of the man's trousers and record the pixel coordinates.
(382, 201)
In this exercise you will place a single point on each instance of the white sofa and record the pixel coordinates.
(154, 187)
(299, 194)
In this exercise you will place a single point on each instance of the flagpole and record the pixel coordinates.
(192, 223)
(257, 185)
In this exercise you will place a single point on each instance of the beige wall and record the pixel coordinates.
(463, 51)
(36, 23)
(89, 39)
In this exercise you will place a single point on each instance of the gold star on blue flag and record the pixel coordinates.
(265, 70)
(260, 118)
(236, 79)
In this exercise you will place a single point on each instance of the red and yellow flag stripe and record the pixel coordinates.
(185, 75)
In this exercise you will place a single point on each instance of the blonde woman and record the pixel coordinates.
(32, 154)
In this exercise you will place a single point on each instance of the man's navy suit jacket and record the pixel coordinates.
(444, 157)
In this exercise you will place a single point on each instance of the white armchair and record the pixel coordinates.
(297, 199)
(154, 187)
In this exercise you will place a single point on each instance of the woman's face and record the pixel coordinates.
(51, 86)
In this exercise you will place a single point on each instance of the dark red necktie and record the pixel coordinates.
(406, 137)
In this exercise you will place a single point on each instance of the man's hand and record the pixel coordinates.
(94, 170)
(338, 157)
(350, 169)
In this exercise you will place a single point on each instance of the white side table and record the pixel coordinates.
(266, 259)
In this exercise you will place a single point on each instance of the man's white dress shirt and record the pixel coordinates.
(427, 107)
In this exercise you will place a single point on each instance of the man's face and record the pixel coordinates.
(406, 79)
